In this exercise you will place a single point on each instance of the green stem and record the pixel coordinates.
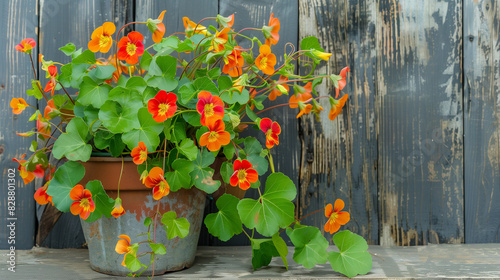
(271, 164)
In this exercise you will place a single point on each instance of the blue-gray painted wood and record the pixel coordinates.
(419, 121)
(339, 157)
(19, 20)
(62, 22)
(482, 119)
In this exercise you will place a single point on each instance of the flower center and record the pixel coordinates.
(85, 204)
(131, 49)
(104, 40)
(143, 155)
(162, 186)
(333, 217)
(20, 106)
(269, 133)
(242, 174)
(209, 110)
(263, 62)
(163, 108)
(212, 137)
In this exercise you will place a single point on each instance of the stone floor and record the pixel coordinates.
(474, 261)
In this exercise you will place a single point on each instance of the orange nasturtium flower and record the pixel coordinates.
(26, 175)
(41, 195)
(233, 64)
(336, 218)
(83, 204)
(156, 181)
(216, 136)
(26, 45)
(163, 105)
(276, 92)
(157, 27)
(43, 127)
(304, 109)
(131, 47)
(139, 153)
(50, 110)
(337, 108)
(272, 130)
(266, 60)
(271, 31)
(123, 247)
(243, 174)
(118, 209)
(301, 94)
(220, 39)
(18, 105)
(342, 82)
(210, 107)
(101, 38)
(193, 28)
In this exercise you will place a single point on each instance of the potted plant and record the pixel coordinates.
(172, 116)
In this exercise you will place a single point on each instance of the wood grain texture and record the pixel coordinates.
(18, 20)
(482, 121)
(339, 157)
(62, 22)
(420, 123)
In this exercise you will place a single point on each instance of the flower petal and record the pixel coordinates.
(339, 205)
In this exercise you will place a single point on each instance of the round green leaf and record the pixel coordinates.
(352, 258)
(225, 223)
(310, 246)
(65, 178)
(72, 144)
(175, 226)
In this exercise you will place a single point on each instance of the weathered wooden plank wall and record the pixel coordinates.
(482, 121)
(416, 153)
(19, 20)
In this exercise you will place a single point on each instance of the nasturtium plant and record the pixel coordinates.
(190, 111)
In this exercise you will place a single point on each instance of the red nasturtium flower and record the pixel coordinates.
(118, 208)
(243, 174)
(336, 218)
(39, 171)
(337, 108)
(266, 60)
(139, 153)
(101, 38)
(216, 136)
(271, 31)
(18, 105)
(301, 94)
(41, 196)
(193, 28)
(123, 247)
(26, 45)
(233, 64)
(272, 130)
(342, 82)
(26, 175)
(83, 204)
(163, 105)
(220, 39)
(276, 92)
(156, 181)
(210, 107)
(131, 47)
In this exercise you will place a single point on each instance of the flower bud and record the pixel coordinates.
(321, 55)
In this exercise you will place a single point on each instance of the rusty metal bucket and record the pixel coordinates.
(102, 235)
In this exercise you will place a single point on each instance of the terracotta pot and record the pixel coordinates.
(137, 199)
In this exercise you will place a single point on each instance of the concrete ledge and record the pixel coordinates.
(477, 261)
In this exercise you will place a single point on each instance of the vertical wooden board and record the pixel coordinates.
(62, 22)
(195, 10)
(19, 20)
(420, 122)
(482, 121)
(339, 157)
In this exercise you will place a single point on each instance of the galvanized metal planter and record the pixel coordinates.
(102, 235)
